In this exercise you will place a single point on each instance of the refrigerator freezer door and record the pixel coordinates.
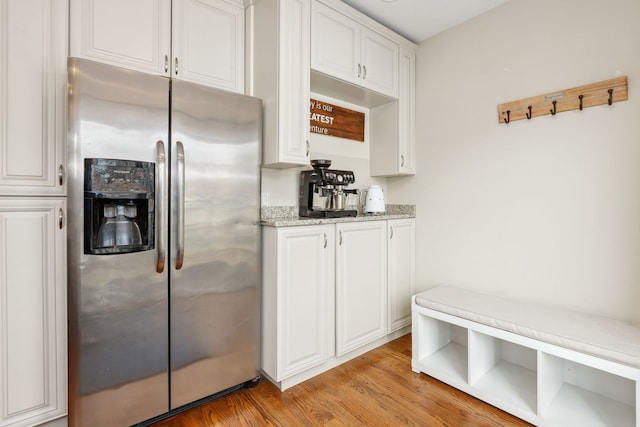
(215, 238)
(118, 303)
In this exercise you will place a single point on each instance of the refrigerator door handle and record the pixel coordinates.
(161, 216)
(180, 210)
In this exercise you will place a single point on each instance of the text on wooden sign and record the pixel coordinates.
(333, 120)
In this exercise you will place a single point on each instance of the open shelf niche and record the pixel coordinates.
(504, 371)
(445, 352)
(572, 393)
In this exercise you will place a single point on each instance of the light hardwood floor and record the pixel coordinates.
(376, 389)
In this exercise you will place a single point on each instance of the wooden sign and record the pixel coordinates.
(332, 120)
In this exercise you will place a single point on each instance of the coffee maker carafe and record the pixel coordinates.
(119, 206)
(323, 192)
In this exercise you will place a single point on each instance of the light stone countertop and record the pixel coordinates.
(287, 216)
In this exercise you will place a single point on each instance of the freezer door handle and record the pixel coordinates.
(180, 210)
(161, 216)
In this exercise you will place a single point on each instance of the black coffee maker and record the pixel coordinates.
(323, 193)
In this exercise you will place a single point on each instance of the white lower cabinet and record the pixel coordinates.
(297, 327)
(538, 382)
(401, 268)
(33, 327)
(361, 284)
(324, 297)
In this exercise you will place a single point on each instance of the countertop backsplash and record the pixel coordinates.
(287, 216)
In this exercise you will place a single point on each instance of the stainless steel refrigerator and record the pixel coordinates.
(164, 243)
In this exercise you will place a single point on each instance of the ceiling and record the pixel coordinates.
(418, 20)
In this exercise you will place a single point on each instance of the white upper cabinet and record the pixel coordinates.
(345, 49)
(335, 44)
(130, 34)
(407, 113)
(280, 43)
(392, 131)
(379, 63)
(196, 40)
(33, 52)
(208, 43)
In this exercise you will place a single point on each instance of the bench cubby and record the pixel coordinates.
(575, 394)
(503, 371)
(538, 381)
(445, 349)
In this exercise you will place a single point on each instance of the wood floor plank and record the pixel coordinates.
(376, 389)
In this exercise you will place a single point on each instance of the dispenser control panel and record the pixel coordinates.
(118, 176)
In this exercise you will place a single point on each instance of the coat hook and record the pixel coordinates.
(529, 113)
(610, 96)
(553, 112)
(580, 98)
(508, 119)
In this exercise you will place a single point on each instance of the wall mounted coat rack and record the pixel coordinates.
(577, 98)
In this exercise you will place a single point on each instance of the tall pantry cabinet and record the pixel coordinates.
(33, 346)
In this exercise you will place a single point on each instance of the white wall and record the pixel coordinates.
(282, 185)
(544, 210)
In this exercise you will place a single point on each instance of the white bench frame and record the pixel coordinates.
(539, 382)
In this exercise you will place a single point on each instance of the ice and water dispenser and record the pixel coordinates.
(118, 206)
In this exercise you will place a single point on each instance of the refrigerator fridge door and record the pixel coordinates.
(118, 303)
(215, 240)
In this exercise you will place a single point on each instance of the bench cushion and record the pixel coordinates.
(602, 337)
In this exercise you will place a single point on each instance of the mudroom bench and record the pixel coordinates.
(548, 366)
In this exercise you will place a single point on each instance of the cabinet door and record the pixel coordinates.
(392, 126)
(401, 273)
(280, 76)
(33, 350)
(407, 112)
(208, 43)
(335, 44)
(33, 52)
(294, 81)
(361, 284)
(305, 281)
(379, 63)
(125, 33)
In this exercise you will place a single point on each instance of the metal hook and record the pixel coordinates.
(529, 115)
(580, 98)
(553, 112)
(508, 119)
(610, 96)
